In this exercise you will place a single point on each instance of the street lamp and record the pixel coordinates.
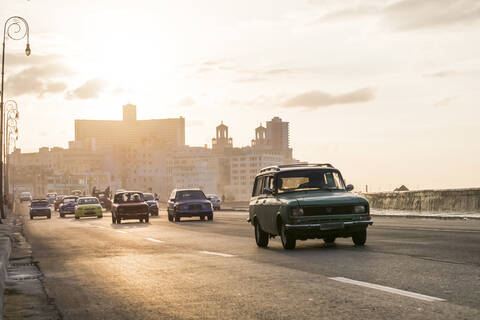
(15, 28)
(11, 110)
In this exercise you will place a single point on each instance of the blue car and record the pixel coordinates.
(151, 200)
(189, 203)
(68, 205)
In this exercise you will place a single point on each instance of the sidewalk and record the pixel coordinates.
(6, 230)
(400, 214)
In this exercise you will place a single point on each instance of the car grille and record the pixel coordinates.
(195, 207)
(323, 211)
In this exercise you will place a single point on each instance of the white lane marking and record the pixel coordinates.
(388, 289)
(153, 240)
(218, 254)
(120, 231)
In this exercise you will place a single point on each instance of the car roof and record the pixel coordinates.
(87, 198)
(190, 189)
(296, 166)
(39, 200)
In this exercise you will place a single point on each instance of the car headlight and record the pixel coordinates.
(297, 211)
(359, 209)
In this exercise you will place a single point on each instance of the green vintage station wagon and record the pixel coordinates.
(306, 201)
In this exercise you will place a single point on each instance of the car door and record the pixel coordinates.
(264, 213)
(253, 204)
(171, 202)
(272, 205)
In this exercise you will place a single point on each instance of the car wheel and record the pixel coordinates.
(99, 217)
(329, 239)
(113, 219)
(177, 219)
(62, 215)
(210, 216)
(202, 217)
(288, 241)
(119, 220)
(141, 220)
(31, 217)
(147, 219)
(360, 238)
(49, 217)
(77, 217)
(261, 237)
(170, 217)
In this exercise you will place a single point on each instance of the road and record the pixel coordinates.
(213, 270)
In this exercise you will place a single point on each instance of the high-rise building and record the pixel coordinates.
(278, 136)
(101, 134)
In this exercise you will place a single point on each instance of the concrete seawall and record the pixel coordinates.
(453, 200)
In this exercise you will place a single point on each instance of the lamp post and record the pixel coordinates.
(11, 111)
(15, 28)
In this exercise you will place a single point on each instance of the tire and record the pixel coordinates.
(113, 219)
(119, 220)
(360, 238)
(210, 216)
(202, 217)
(288, 241)
(329, 239)
(177, 219)
(261, 237)
(77, 217)
(141, 220)
(49, 217)
(147, 219)
(31, 217)
(62, 215)
(100, 217)
(170, 217)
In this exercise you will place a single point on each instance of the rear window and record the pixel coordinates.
(148, 196)
(190, 194)
(128, 197)
(71, 199)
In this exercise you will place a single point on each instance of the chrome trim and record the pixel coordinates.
(318, 225)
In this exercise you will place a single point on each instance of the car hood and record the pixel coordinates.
(150, 202)
(40, 208)
(69, 204)
(196, 201)
(323, 198)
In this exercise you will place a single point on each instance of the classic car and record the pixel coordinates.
(40, 208)
(51, 197)
(306, 201)
(25, 196)
(129, 205)
(88, 207)
(215, 200)
(151, 200)
(67, 206)
(189, 203)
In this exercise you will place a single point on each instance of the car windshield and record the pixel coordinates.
(49, 195)
(38, 204)
(190, 194)
(301, 180)
(88, 201)
(212, 197)
(148, 196)
(72, 199)
(25, 194)
(129, 197)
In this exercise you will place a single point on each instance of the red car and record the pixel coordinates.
(129, 205)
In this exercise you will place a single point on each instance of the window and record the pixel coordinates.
(257, 187)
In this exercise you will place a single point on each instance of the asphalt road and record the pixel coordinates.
(213, 270)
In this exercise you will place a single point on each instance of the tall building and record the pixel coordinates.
(277, 134)
(101, 134)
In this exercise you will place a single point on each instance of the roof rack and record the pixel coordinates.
(295, 165)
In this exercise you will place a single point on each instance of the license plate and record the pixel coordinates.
(331, 226)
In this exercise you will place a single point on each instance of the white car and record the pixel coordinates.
(25, 196)
(215, 200)
(51, 197)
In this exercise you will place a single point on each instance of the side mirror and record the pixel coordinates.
(268, 190)
(349, 187)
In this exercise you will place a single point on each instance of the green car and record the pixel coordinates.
(88, 207)
(306, 201)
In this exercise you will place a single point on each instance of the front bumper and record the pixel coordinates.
(67, 211)
(129, 215)
(89, 213)
(188, 214)
(320, 230)
(40, 213)
(153, 210)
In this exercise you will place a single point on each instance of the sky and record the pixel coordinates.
(387, 91)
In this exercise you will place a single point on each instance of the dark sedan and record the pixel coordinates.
(189, 203)
(40, 208)
(152, 203)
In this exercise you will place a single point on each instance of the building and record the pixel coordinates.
(104, 134)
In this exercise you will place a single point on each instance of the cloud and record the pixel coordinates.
(186, 102)
(318, 99)
(37, 80)
(349, 13)
(440, 74)
(20, 59)
(89, 90)
(445, 101)
(195, 123)
(414, 14)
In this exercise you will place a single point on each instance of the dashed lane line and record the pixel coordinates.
(218, 254)
(154, 240)
(389, 289)
(120, 231)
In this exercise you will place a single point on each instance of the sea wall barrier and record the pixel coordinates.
(452, 200)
